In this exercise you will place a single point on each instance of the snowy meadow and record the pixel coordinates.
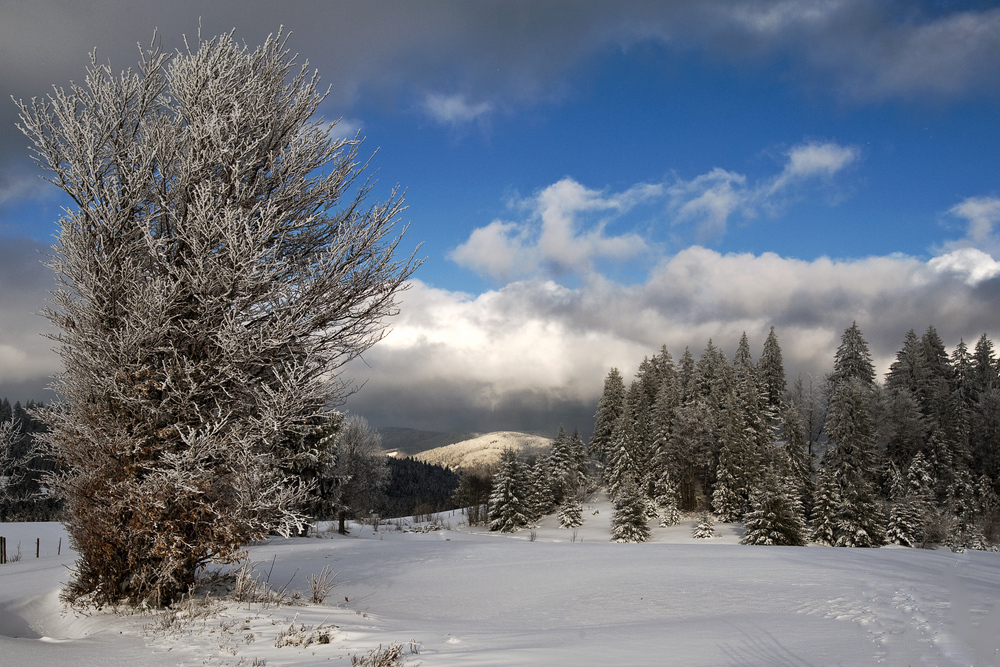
(456, 595)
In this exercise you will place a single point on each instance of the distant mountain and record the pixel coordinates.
(410, 441)
(484, 450)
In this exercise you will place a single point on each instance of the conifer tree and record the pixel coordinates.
(983, 373)
(540, 497)
(776, 516)
(609, 411)
(509, 509)
(705, 527)
(571, 513)
(685, 376)
(628, 524)
(579, 463)
(853, 359)
(726, 499)
(689, 450)
(859, 518)
(666, 500)
(826, 508)
(771, 374)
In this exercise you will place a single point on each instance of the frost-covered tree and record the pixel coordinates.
(628, 524)
(361, 469)
(509, 509)
(219, 267)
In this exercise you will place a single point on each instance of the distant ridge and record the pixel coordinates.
(409, 441)
(484, 450)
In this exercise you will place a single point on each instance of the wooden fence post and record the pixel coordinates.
(3, 550)
(38, 546)
(59, 548)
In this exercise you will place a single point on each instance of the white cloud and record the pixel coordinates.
(710, 199)
(560, 235)
(814, 160)
(972, 265)
(981, 213)
(557, 238)
(535, 344)
(454, 109)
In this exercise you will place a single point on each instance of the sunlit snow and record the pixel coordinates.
(463, 596)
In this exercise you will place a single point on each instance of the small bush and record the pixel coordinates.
(322, 585)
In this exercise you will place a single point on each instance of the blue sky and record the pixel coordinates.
(592, 180)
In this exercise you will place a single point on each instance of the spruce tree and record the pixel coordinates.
(628, 524)
(609, 411)
(571, 513)
(853, 359)
(666, 500)
(540, 497)
(771, 374)
(509, 509)
(706, 526)
(859, 520)
(776, 516)
(826, 508)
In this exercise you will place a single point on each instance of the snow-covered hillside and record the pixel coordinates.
(484, 450)
(460, 596)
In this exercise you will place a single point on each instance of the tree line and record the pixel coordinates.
(848, 461)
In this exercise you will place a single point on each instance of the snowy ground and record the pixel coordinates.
(461, 596)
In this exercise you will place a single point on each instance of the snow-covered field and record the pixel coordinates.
(461, 596)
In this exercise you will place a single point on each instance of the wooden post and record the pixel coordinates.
(3, 550)
(59, 548)
(38, 546)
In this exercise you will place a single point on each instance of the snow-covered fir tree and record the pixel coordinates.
(776, 516)
(628, 524)
(706, 526)
(509, 510)
(726, 500)
(571, 513)
(609, 411)
(826, 508)
(666, 500)
(540, 497)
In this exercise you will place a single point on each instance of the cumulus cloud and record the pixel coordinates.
(559, 237)
(454, 109)
(971, 265)
(533, 354)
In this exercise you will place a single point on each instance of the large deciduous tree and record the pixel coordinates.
(221, 264)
